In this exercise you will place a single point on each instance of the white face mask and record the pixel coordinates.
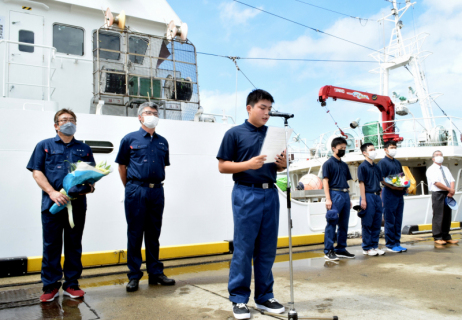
(392, 152)
(439, 159)
(150, 121)
(372, 155)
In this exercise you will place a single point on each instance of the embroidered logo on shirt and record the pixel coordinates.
(131, 147)
(161, 143)
(46, 150)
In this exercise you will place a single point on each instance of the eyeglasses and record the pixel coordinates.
(150, 113)
(65, 120)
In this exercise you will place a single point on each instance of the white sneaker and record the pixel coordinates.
(380, 252)
(371, 252)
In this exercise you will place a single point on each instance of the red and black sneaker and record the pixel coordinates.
(74, 292)
(49, 295)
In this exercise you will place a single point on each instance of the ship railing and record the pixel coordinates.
(412, 45)
(48, 57)
(413, 131)
(165, 66)
(458, 186)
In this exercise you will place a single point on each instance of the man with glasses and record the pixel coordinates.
(49, 164)
(441, 184)
(142, 158)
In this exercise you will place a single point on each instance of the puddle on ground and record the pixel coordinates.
(66, 308)
(60, 308)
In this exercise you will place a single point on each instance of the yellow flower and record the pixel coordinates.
(394, 180)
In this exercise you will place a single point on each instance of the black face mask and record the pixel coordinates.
(340, 153)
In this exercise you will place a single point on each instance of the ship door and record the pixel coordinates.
(26, 75)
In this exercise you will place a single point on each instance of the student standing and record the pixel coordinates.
(369, 176)
(441, 184)
(255, 204)
(392, 199)
(335, 176)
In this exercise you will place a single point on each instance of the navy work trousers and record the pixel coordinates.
(256, 221)
(371, 222)
(341, 202)
(144, 208)
(53, 227)
(393, 206)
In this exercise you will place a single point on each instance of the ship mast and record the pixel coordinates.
(405, 53)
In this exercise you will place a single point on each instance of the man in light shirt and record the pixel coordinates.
(441, 185)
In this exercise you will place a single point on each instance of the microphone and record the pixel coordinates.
(280, 114)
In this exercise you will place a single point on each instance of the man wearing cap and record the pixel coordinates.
(142, 158)
(369, 176)
(441, 185)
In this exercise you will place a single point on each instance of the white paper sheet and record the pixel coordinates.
(275, 143)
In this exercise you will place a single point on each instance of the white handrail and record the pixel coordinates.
(458, 178)
(28, 44)
(6, 65)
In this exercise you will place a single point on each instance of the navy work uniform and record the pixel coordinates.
(371, 222)
(145, 157)
(255, 204)
(338, 174)
(393, 203)
(53, 158)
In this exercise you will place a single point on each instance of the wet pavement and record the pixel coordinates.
(423, 283)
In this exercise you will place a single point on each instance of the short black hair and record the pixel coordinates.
(365, 146)
(389, 143)
(257, 95)
(337, 141)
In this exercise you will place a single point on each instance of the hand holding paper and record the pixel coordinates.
(275, 143)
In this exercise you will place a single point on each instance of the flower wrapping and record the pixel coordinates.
(398, 180)
(77, 181)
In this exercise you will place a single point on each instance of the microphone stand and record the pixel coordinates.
(293, 315)
(292, 312)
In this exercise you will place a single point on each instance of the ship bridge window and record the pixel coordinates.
(27, 37)
(68, 40)
(109, 41)
(137, 45)
(100, 146)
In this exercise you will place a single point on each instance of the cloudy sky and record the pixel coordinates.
(228, 28)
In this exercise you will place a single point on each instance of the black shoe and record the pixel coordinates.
(161, 279)
(271, 305)
(132, 285)
(241, 311)
(331, 256)
(345, 254)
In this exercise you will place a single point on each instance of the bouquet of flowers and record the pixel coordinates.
(398, 180)
(81, 175)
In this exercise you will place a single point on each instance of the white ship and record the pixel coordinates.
(71, 54)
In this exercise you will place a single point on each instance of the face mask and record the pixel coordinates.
(392, 152)
(439, 159)
(150, 121)
(372, 155)
(340, 153)
(68, 129)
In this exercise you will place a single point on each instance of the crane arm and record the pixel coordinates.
(383, 103)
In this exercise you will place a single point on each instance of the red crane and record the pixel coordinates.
(383, 103)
